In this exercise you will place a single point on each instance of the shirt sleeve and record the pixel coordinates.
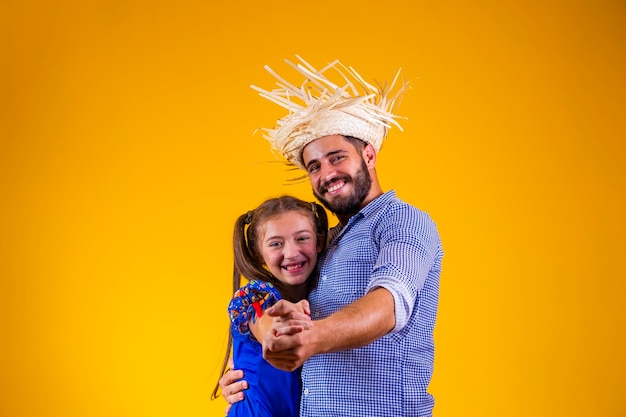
(409, 244)
(249, 302)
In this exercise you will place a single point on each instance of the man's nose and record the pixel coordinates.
(327, 171)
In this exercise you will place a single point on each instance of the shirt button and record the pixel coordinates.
(316, 313)
(324, 278)
(306, 391)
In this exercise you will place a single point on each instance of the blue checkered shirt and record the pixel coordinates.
(389, 244)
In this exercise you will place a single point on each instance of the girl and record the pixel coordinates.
(277, 252)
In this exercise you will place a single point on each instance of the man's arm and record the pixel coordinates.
(358, 324)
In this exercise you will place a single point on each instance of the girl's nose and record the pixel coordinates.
(291, 250)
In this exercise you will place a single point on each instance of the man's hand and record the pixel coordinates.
(286, 352)
(232, 388)
(285, 346)
(290, 318)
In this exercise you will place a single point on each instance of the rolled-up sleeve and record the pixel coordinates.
(409, 244)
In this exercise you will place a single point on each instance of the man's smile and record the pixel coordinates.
(331, 187)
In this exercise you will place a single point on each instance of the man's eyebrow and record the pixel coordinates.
(311, 162)
(327, 155)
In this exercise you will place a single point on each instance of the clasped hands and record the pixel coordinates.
(286, 345)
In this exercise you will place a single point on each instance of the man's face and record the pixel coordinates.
(338, 173)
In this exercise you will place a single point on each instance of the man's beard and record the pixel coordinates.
(350, 204)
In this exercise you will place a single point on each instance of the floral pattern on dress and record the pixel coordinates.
(249, 302)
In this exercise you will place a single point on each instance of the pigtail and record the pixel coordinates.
(243, 261)
(238, 236)
(321, 224)
(240, 248)
(229, 346)
(248, 262)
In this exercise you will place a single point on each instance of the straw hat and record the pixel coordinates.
(319, 107)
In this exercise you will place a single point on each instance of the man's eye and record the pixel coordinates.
(337, 158)
(314, 168)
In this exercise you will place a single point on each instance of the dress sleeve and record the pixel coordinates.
(249, 302)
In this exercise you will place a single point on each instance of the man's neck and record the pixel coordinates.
(343, 219)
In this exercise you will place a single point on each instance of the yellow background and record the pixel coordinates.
(127, 151)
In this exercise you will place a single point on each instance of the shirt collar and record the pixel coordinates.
(377, 203)
(373, 206)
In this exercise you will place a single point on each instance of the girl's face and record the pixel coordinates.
(289, 247)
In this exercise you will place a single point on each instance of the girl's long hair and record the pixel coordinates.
(248, 261)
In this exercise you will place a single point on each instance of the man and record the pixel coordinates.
(370, 351)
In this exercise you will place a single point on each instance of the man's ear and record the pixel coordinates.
(369, 156)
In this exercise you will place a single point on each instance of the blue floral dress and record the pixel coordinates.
(271, 392)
